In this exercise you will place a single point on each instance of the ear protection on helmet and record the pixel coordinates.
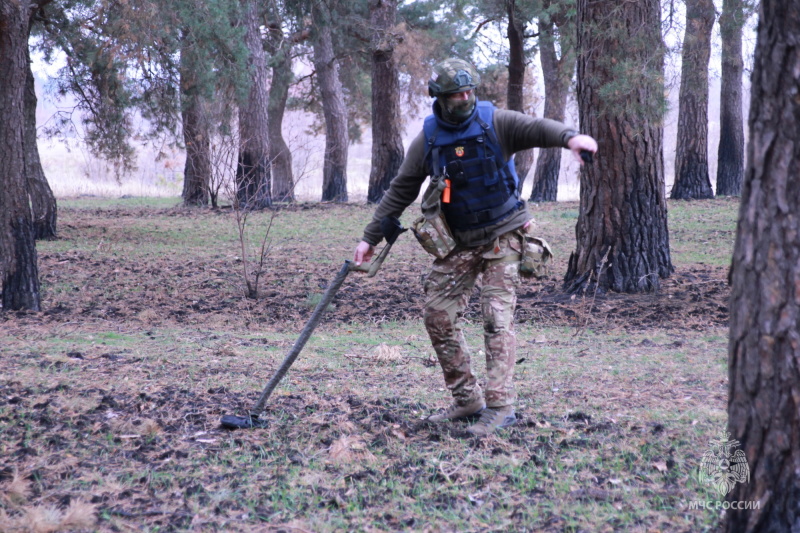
(462, 81)
(451, 76)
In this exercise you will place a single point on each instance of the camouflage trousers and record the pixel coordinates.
(448, 288)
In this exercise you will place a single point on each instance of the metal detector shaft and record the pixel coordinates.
(333, 288)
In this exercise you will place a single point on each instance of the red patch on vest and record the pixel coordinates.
(459, 151)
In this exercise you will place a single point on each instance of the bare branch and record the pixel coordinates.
(481, 25)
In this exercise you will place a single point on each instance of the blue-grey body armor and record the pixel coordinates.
(484, 187)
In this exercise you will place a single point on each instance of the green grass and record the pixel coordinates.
(703, 231)
(554, 471)
(120, 411)
(105, 202)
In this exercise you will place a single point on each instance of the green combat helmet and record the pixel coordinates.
(449, 77)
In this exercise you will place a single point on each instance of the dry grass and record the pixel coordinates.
(110, 399)
(78, 516)
(18, 490)
(350, 449)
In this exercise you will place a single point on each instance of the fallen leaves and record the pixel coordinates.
(350, 449)
(661, 466)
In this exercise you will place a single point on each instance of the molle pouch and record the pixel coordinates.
(434, 236)
(455, 171)
(490, 175)
(535, 255)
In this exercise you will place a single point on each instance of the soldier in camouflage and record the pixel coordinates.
(466, 148)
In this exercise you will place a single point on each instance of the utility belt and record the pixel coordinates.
(436, 238)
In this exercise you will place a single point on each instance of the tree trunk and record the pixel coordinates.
(764, 346)
(387, 141)
(556, 73)
(691, 158)
(18, 262)
(197, 170)
(730, 164)
(515, 94)
(253, 179)
(334, 170)
(280, 155)
(622, 236)
(43, 202)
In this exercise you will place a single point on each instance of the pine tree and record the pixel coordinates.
(622, 235)
(764, 351)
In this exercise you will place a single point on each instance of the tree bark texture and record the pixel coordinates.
(622, 236)
(557, 74)
(253, 178)
(19, 272)
(730, 157)
(691, 157)
(515, 94)
(334, 170)
(764, 344)
(280, 155)
(43, 202)
(387, 140)
(196, 136)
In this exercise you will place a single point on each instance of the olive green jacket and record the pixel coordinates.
(515, 131)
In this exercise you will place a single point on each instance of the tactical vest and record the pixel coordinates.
(484, 187)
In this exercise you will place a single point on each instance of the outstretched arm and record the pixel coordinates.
(403, 190)
(518, 131)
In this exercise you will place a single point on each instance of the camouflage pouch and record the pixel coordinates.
(434, 236)
(535, 255)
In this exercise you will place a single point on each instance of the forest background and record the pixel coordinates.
(74, 169)
(626, 384)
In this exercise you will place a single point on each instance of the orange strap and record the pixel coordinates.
(446, 192)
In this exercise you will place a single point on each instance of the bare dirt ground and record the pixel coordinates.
(96, 451)
(177, 288)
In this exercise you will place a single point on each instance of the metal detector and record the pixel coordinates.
(391, 229)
